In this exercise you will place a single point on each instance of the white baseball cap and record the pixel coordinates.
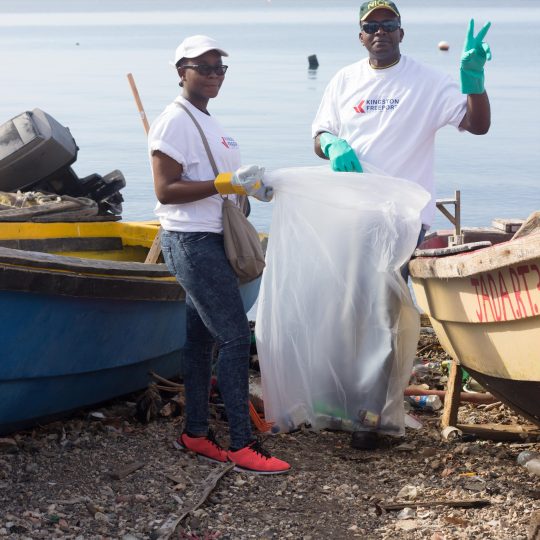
(194, 46)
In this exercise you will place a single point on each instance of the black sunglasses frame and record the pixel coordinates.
(371, 27)
(205, 70)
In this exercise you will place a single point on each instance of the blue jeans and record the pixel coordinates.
(214, 314)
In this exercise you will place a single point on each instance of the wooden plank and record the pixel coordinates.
(501, 432)
(507, 225)
(155, 250)
(530, 226)
(48, 261)
(520, 251)
(451, 403)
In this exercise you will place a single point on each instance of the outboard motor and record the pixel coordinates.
(36, 153)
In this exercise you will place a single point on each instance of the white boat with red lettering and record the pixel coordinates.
(483, 298)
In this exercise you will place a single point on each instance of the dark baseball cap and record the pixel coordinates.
(369, 7)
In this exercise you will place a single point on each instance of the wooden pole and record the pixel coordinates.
(155, 249)
(451, 403)
(138, 102)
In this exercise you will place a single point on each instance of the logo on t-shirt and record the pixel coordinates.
(359, 108)
(373, 105)
(229, 142)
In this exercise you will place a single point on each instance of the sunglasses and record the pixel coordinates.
(205, 69)
(388, 26)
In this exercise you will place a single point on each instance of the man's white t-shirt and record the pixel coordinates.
(390, 117)
(174, 133)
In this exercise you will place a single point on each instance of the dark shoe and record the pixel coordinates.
(365, 440)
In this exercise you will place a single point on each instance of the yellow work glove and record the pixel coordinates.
(247, 180)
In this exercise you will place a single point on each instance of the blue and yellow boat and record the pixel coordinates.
(83, 318)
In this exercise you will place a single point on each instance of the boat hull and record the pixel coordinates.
(485, 309)
(75, 332)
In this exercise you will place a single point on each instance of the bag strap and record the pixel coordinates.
(203, 137)
(243, 201)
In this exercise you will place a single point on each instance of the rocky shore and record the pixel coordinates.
(102, 474)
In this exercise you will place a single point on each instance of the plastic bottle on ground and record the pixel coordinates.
(431, 403)
(530, 460)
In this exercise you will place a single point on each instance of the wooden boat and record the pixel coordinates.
(484, 304)
(83, 318)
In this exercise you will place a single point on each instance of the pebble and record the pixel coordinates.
(408, 492)
(407, 513)
(405, 447)
(428, 451)
(407, 524)
(31, 468)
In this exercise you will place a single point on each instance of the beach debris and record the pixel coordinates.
(530, 460)
(174, 407)
(407, 513)
(148, 404)
(408, 492)
(481, 398)
(122, 472)
(171, 523)
(8, 445)
(412, 422)
(450, 433)
(428, 403)
(471, 503)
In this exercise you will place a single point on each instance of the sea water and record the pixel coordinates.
(70, 58)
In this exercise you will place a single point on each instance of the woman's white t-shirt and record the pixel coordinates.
(390, 117)
(174, 133)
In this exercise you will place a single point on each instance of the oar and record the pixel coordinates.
(155, 248)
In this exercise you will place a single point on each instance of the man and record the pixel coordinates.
(384, 111)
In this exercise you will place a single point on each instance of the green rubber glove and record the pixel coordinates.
(342, 157)
(475, 54)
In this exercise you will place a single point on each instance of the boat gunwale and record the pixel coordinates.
(488, 259)
(45, 261)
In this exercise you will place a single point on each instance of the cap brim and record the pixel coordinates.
(202, 50)
(377, 8)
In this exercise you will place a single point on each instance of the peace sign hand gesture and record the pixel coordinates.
(475, 54)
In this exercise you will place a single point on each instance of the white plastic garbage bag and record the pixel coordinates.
(336, 326)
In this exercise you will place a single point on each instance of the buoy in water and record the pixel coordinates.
(443, 45)
(313, 62)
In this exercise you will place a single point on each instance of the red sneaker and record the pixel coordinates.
(254, 459)
(206, 447)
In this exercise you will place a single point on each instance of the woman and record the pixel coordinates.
(190, 213)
